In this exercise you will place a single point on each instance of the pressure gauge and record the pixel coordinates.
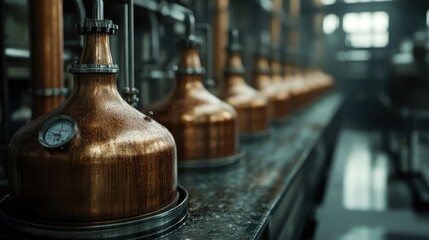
(57, 132)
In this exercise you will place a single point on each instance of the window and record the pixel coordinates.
(330, 23)
(366, 29)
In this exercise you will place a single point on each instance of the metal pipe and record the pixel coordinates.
(4, 134)
(46, 54)
(98, 10)
(189, 22)
(220, 34)
(81, 9)
(166, 9)
(125, 46)
(131, 44)
(276, 25)
(154, 33)
(209, 49)
(82, 14)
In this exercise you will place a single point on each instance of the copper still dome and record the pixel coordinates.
(251, 106)
(272, 89)
(204, 127)
(94, 158)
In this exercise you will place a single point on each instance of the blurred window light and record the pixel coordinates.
(327, 2)
(350, 22)
(366, 29)
(380, 21)
(364, 1)
(354, 55)
(331, 22)
(427, 18)
(360, 40)
(380, 39)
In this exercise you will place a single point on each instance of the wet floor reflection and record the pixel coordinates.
(361, 201)
(365, 176)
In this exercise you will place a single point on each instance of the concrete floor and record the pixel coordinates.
(362, 200)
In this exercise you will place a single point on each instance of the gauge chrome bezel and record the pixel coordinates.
(49, 124)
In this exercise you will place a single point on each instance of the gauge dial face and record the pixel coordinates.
(57, 132)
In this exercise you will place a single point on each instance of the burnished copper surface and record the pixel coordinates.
(203, 126)
(122, 163)
(295, 80)
(220, 36)
(276, 23)
(282, 90)
(251, 106)
(277, 97)
(46, 52)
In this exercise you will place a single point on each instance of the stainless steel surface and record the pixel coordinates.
(130, 92)
(131, 42)
(98, 9)
(94, 68)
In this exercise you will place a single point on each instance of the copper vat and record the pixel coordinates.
(119, 164)
(251, 106)
(294, 78)
(289, 78)
(317, 82)
(272, 90)
(203, 126)
(277, 82)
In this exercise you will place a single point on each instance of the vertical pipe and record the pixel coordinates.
(317, 39)
(98, 10)
(294, 10)
(4, 133)
(126, 49)
(131, 43)
(220, 38)
(46, 54)
(276, 24)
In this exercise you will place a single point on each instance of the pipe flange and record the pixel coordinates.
(96, 26)
(94, 68)
(48, 92)
(193, 70)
